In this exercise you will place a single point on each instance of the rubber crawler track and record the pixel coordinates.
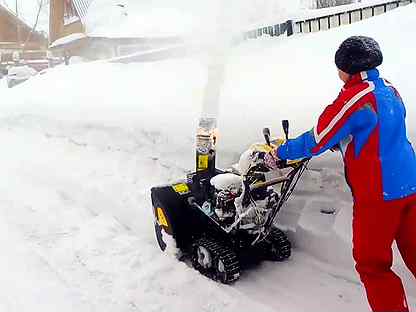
(281, 248)
(218, 253)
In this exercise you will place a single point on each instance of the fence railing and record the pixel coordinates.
(327, 21)
(275, 30)
(344, 18)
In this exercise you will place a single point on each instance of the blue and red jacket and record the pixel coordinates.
(367, 123)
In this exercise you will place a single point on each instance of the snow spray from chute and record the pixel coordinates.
(206, 136)
(207, 133)
(229, 17)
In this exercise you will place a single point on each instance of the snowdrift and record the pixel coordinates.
(83, 144)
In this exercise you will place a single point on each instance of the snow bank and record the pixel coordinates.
(87, 149)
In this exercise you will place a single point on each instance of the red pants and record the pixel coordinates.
(376, 225)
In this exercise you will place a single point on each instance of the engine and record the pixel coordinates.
(236, 202)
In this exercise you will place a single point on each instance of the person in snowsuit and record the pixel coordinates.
(367, 123)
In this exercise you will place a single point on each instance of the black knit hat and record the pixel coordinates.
(357, 54)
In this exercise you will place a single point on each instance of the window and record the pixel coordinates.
(70, 13)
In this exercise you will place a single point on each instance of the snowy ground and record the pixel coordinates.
(79, 158)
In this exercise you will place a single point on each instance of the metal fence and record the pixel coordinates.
(345, 18)
(326, 22)
(275, 30)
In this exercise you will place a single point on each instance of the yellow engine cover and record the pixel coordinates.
(263, 147)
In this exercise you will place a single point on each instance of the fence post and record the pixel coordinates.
(289, 28)
(277, 29)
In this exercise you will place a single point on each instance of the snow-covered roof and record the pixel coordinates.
(82, 7)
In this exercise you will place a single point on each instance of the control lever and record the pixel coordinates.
(266, 133)
(285, 125)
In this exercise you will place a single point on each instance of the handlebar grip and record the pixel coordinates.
(285, 125)
(266, 133)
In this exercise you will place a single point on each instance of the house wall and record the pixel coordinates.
(57, 28)
(8, 30)
(14, 31)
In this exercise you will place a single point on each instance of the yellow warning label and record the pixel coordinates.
(181, 188)
(202, 162)
(161, 217)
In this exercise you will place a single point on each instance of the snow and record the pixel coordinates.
(3, 83)
(161, 18)
(21, 72)
(83, 144)
(227, 181)
(186, 18)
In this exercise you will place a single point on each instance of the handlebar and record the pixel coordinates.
(268, 183)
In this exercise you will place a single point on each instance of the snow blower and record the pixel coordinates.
(222, 219)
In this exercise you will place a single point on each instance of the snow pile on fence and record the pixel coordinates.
(83, 144)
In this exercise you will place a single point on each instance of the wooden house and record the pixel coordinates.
(69, 36)
(15, 34)
(17, 40)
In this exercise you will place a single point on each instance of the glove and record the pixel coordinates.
(271, 160)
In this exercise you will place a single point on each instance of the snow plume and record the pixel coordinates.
(210, 26)
(151, 18)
